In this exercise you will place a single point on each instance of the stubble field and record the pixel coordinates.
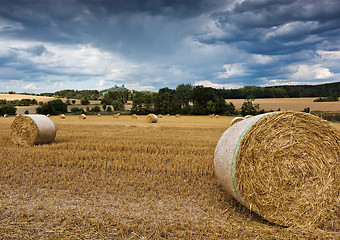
(123, 178)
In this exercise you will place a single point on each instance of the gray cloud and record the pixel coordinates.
(167, 42)
(279, 26)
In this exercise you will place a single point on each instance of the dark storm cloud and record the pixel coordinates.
(162, 43)
(279, 26)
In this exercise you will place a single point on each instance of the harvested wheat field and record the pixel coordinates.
(123, 178)
(295, 104)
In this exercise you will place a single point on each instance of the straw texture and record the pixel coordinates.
(32, 129)
(151, 118)
(287, 169)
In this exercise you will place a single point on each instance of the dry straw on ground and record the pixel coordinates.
(285, 168)
(151, 118)
(32, 129)
(236, 120)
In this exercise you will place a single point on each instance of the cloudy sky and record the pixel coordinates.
(50, 45)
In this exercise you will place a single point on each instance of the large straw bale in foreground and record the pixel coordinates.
(151, 118)
(283, 166)
(32, 129)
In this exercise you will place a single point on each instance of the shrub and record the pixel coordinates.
(53, 107)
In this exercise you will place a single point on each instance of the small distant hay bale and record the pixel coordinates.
(213, 115)
(248, 116)
(134, 116)
(99, 115)
(160, 116)
(5, 115)
(210, 115)
(236, 120)
(62, 116)
(116, 115)
(48, 115)
(32, 129)
(168, 115)
(82, 116)
(177, 115)
(285, 166)
(151, 118)
(217, 116)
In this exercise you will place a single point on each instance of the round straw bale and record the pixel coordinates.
(210, 115)
(160, 116)
(168, 115)
(99, 115)
(285, 166)
(134, 116)
(48, 115)
(177, 115)
(62, 116)
(82, 116)
(236, 120)
(248, 116)
(115, 115)
(5, 115)
(152, 118)
(217, 116)
(32, 129)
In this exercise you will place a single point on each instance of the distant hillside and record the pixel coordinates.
(114, 88)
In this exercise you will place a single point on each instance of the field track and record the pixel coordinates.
(123, 178)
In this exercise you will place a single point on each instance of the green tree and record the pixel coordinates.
(73, 101)
(53, 107)
(84, 101)
(96, 109)
(249, 108)
(7, 108)
(211, 106)
(118, 105)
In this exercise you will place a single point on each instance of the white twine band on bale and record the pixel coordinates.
(236, 120)
(32, 129)
(151, 118)
(285, 166)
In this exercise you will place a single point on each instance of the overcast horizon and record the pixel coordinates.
(47, 46)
